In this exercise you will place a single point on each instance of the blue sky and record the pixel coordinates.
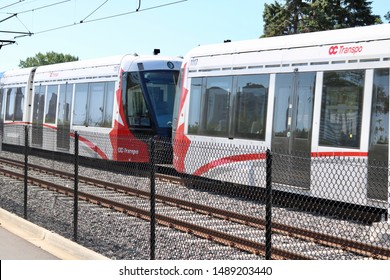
(174, 26)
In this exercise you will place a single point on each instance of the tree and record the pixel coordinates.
(46, 59)
(283, 20)
(275, 20)
(300, 16)
(387, 16)
(358, 13)
(323, 15)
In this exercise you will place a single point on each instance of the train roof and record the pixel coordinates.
(321, 38)
(326, 50)
(16, 76)
(108, 67)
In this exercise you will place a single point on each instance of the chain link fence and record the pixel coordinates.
(264, 201)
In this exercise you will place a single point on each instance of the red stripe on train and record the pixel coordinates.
(239, 158)
(339, 154)
(227, 160)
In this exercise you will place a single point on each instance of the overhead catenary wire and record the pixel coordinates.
(81, 21)
(23, 24)
(44, 7)
(29, 33)
(107, 17)
(11, 16)
(13, 4)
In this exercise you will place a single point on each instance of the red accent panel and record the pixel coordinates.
(15, 123)
(228, 160)
(124, 144)
(339, 154)
(180, 148)
(126, 147)
(92, 146)
(181, 142)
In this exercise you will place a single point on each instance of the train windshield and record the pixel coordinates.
(160, 87)
(150, 95)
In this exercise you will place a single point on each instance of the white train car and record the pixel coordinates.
(322, 95)
(115, 104)
(15, 100)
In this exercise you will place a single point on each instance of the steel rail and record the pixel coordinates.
(203, 232)
(360, 248)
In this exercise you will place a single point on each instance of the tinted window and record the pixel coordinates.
(108, 104)
(217, 110)
(161, 87)
(195, 105)
(215, 105)
(80, 105)
(283, 90)
(135, 106)
(14, 104)
(341, 110)
(94, 104)
(51, 104)
(251, 108)
(64, 103)
(380, 108)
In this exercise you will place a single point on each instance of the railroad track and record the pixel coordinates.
(246, 244)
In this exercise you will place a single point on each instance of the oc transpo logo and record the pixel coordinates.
(335, 50)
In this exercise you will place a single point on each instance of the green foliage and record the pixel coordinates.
(301, 16)
(46, 59)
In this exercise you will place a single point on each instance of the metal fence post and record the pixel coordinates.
(152, 201)
(25, 170)
(76, 186)
(268, 207)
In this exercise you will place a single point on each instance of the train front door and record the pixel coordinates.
(292, 128)
(38, 113)
(63, 119)
(378, 153)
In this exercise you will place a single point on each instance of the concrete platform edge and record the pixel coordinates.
(51, 242)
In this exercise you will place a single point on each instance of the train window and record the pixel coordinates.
(108, 104)
(100, 104)
(10, 104)
(96, 104)
(283, 89)
(51, 104)
(64, 103)
(134, 102)
(251, 107)
(380, 108)
(378, 151)
(195, 103)
(305, 87)
(80, 105)
(14, 104)
(215, 105)
(160, 86)
(341, 110)
(39, 105)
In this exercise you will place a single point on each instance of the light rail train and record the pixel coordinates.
(115, 104)
(321, 97)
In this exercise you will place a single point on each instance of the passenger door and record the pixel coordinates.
(63, 119)
(378, 153)
(292, 128)
(38, 113)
